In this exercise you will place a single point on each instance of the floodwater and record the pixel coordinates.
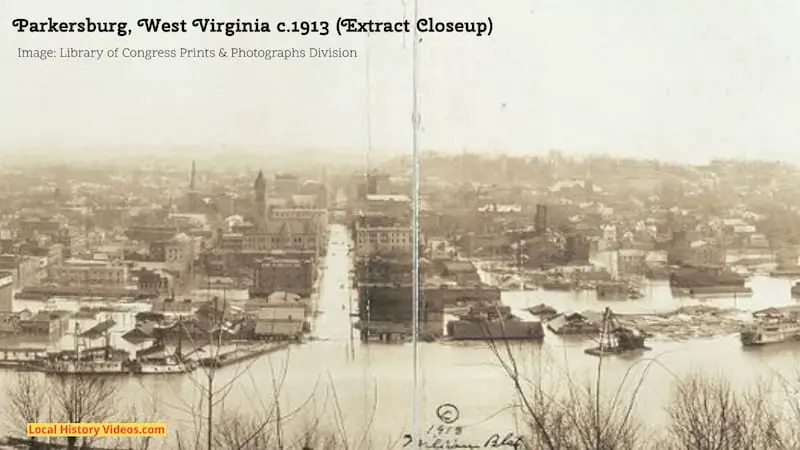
(371, 386)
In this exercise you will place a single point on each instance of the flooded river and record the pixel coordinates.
(373, 383)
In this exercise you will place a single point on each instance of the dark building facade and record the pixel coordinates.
(277, 274)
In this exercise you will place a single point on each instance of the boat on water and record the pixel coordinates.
(98, 366)
(771, 326)
(488, 322)
(19, 357)
(616, 339)
(167, 364)
(796, 290)
(155, 360)
(242, 353)
(104, 360)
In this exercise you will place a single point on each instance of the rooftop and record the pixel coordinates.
(86, 262)
(388, 198)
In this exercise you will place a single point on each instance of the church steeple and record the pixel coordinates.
(260, 191)
(192, 179)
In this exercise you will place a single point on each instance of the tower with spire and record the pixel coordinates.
(260, 191)
(193, 176)
(193, 201)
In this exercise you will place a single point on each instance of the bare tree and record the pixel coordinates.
(578, 417)
(83, 399)
(136, 414)
(708, 413)
(213, 428)
(24, 396)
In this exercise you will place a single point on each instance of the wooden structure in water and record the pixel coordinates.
(616, 339)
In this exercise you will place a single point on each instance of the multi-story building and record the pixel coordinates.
(379, 184)
(282, 315)
(150, 233)
(397, 207)
(91, 273)
(292, 275)
(609, 238)
(27, 270)
(679, 249)
(631, 261)
(6, 292)
(179, 251)
(379, 240)
(51, 325)
(32, 227)
(707, 253)
(55, 258)
(320, 216)
(154, 283)
(233, 242)
(280, 235)
(73, 242)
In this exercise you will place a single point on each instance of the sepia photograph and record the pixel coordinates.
(533, 225)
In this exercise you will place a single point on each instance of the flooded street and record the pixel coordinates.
(365, 380)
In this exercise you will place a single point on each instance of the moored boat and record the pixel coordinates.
(163, 365)
(85, 367)
(770, 327)
(21, 357)
(155, 360)
(104, 360)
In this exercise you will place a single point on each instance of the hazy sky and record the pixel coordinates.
(679, 79)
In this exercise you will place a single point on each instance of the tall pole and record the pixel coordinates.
(415, 288)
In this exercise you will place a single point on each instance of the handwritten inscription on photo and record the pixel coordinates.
(449, 435)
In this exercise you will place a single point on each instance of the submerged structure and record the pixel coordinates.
(493, 322)
(617, 339)
(707, 281)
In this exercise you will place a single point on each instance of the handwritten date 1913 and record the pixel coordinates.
(508, 441)
(439, 430)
